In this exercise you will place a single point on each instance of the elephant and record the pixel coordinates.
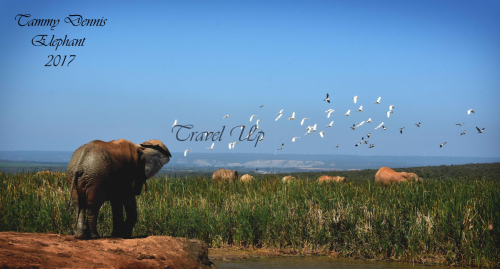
(247, 178)
(288, 178)
(386, 175)
(112, 171)
(326, 178)
(224, 174)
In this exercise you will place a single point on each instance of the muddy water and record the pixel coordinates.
(314, 262)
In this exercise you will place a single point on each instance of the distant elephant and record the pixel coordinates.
(247, 178)
(326, 178)
(111, 171)
(288, 178)
(386, 175)
(224, 174)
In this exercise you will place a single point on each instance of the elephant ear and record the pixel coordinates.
(157, 145)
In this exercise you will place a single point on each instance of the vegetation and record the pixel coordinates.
(454, 220)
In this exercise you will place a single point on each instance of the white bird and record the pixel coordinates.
(308, 132)
(369, 120)
(279, 116)
(321, 133)
(378, 100)
(470, 110)
(480, 130)
(355, 98)
(401, 130)
(314, 128)
(186, 151)
(368, 134)
(227, 116)
(302, 122)
(327, 98)
(360, 109)
(309, 128)
(442, 144)
(389, 113)
(348, 113)
(418, 125)
(379, 125)
(252, 117)
(463, 132)
(460, 124)
(231, 145)
(279, 113)
(257, 122)
(175, 123)
(361, 124)
(292, 117)
(281, 146)
(391, 107)
(242, 126)
(329, 125)
(329, 111)
(262, 138)
(212, 147)
(293, 139)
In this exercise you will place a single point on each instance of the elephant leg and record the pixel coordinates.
(82, 231)
(93, 213)
(131, 210)
(117, 207)
(95, 199)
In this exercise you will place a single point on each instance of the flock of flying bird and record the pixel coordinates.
(313, 128)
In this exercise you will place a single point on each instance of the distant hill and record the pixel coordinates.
(264, 162)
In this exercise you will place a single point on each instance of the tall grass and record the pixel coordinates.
(452, 221)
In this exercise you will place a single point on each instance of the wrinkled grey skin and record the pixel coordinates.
(115, 173)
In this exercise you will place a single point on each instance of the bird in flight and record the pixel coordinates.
(348, 113)
(379, 125)
(371, 146)
(231, 145)
(389, 113)
(292, 117)
(383, 127)
(314, 127)
(212, 147)
(186, 151)
(391, 107)
(463, 132)
(329, 111)
(279, 113)
(480, 130)
(261, 106)
(279, 116)
(418, 125)
(378, 101)
(361, 124)
(329, 125)
(442, 144)
(321, 133)
(460, 124)
(360, 109)
(252, 117)
(302, 122)
(353, 127)
(227, 116)
(293, 139)
(369, 120)
(327, 98)
(281, 146)
(470, 111)
(368, 134)
(337, 146)
(175, 123)
(401, 130)
(355, 98)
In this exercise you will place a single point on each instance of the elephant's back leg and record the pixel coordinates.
(95, 199)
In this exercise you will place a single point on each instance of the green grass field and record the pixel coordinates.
(454, 221)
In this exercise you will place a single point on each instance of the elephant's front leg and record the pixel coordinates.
(131, 210)
(117, 207)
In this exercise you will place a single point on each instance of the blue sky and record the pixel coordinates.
(196, 61)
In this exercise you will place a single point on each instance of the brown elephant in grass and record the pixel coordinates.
(247, 178)
(288, 178)
(386, 175)
(112, 171)
(224, 175)
(326, 178)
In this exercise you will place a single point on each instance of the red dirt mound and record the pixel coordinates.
(33, 250)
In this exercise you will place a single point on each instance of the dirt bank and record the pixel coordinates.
(32, 250)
